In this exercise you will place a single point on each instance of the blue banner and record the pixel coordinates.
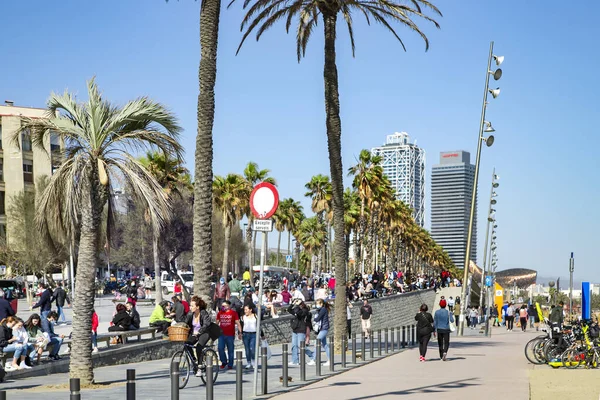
(586, 300)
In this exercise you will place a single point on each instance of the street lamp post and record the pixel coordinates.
(490, 219)
(484, 126)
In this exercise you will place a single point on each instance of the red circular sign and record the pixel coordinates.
(264, 200)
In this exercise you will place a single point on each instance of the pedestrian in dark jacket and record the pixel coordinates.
(61, 296)
(424, 330)
(45, 305)
(121, 320)
(178, 311)
(134, 315)
(322, 319)
(5, 308)
(299, 327)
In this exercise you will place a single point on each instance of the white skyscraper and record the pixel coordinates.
(404, 165)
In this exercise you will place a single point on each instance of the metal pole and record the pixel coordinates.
(386, 345)
(263, 250)
(75, 389)
(318, 357)
(302, 361)
(131, 384)
(354, 348)
(263, 369)
(413, 336)
(571, 270)
(209, 377)
(392, 338)
(284, 355)
(175, 380)
(363, 347)
(485, 246)
(2, 394)
(464, 295)
(238, 376)
(403, 342)
(331, 355)
(379, 342)
(344, 347)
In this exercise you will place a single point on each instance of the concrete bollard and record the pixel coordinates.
(130, 384)
(209, 377)
(239, 372)
(174, 380)
(75, 389)
(344, 347)
(302, 361)
(284, 355)
(2, 394)
(354, 348)
(318, 357)
(331, 355)
(263, 370)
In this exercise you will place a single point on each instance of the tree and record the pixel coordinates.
(263, 14)
(312, 235)
(231, 197)
(98, 137)
(319, 190)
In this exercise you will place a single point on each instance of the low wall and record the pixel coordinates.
(388, 312)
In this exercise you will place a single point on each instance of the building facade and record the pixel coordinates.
(21, 165)
(404, 165)
(451, 192)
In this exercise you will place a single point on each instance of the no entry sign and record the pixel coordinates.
(264, 200)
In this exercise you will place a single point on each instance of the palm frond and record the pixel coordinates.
(348, 17)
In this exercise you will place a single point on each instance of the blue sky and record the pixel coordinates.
(270, 108)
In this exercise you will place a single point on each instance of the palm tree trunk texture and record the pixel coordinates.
(249, 244)
(278, 247)
(203, 171)
(334, 144)
(157, 280)
(253, 251)
(329, 248)
(80, 365)
(226, 250)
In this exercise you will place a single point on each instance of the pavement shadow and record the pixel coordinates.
(434, 388)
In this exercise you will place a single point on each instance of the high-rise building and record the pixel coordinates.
(22, 164)
(451, 191)
(404, 165)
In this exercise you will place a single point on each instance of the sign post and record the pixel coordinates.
(264, 201)
(571, 270)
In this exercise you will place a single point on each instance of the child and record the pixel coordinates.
(22, 346)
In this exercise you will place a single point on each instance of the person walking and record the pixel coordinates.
(365, 317)
(61, 297)
(222, 293)
(299, 328)
(148, 283)
(5, 308)
(473, 316)
(228, 320)
(249, 335)
(424, 330)
(44, 303)
(556, 315)
(510, 317)
(322, 321)
(441, 328)
(523, 317)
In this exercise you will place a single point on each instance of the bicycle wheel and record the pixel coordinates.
(181, 358)
(215, 364)
(530, 350)
(573, 358)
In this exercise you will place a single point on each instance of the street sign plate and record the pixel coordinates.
(488, 281)
(288, 258)
(262, 225)
(264, 200)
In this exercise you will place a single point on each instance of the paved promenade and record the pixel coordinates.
(477, 368)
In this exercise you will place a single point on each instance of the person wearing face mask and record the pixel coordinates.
(222, 293)
(322, 322)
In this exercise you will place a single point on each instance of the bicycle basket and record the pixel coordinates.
(178, 333)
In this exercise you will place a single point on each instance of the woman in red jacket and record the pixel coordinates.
(94, 331)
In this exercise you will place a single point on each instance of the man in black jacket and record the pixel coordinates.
(61, 296)
(5, 308)
(300, 327)
(45, 305)
(135, 316)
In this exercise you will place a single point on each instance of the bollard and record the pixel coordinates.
(302, 361)
(363, 348)
(238, 375)
(414, 335)
(392, 339)
(130, 384)
(2, 394)
(398, 337)
(175, 380)
(403, 343)
(75, 389)
(344, 347)
(318, 357)
(284, 355)
(263, 369)
(354, 348)
(371, 346)
(209, 377)
(331, 355)
(379, 343)
(386, 343)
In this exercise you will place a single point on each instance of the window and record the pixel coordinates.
(1, 170)
(2, 211)
(54, 142)
(26, 141)
(28, 171)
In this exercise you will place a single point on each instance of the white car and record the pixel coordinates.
(167, 282)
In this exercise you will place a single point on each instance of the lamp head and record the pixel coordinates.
(493, 202)
(488, 127)
(491, 219)
(495, 225)
(499, 60)
(489, 141)
(495, 184)
(495, 92)
(497, 74)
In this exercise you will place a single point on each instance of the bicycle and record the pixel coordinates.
(188, 365)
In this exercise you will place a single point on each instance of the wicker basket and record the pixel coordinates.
(178, 333)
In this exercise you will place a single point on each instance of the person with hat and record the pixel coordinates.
(222, 293)
(441, 328)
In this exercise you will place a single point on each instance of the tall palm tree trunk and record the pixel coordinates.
(203, 171)
(81, 365)
(329, 248)
(278, 247)
(249, 244)
(334, 144)
(157, 280)
(226, 250)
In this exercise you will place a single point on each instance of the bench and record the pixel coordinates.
(124, 335)
(141, 301)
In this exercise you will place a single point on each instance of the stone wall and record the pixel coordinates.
(388, 312)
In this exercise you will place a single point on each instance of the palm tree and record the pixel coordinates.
(172, 176)
(319, 190)
(295, 218)
(312, 235)
(264, 13)
(231, 196)
(254, 175)
(351, 214)
(98, 137)
(280, 218)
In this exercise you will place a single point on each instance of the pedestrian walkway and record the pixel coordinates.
(477, 368)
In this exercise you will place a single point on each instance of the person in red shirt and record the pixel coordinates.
(331, 284)
(228, 319)
(286, 297)
(94, 331)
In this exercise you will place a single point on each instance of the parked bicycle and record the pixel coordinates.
(189, 366)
